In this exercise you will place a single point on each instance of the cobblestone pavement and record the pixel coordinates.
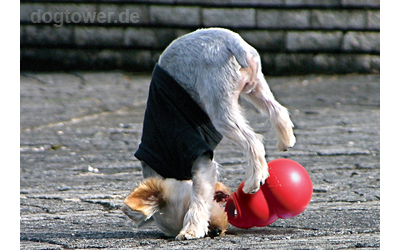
(79, 132)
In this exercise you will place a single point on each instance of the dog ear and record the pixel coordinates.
(147, 198)
(218, 219)
(138, 218)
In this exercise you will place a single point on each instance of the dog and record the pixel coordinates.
(192, 104)
(156, 200)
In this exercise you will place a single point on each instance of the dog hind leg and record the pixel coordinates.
(262, 97)
(228, 120)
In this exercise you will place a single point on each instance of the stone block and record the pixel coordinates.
(47, 59)
(338, 19)
(325, 63)
(156, 1)
(373, 19)
(98, 36)
(140, 37)
(355, 63)
(266, 3)
(268, 63)
(87, 35)
(47, 35)
(27, 9)
(126, 14)
(360, 3)
(22, 35)
(313, 3)
(165, 36)
(283, 19)
(109, 59)
(175, 16)
(313, 41)
(204, 2)
(341, 63)
(142, 10)
(70, 14)
(137, 60)
(112, 11)
(293, 64)
(71, 8)
(229, 17)
(230, 3)
(375, 64)
(361, 41)
(264, 40)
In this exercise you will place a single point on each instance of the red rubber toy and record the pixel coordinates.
(286, 194)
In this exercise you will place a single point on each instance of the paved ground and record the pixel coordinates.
(79, 133)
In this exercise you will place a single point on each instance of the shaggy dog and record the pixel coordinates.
(192, 103)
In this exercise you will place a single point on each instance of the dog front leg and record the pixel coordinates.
(195, 224)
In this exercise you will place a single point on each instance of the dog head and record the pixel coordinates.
(218, 219)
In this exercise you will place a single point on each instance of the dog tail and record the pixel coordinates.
(238, 51)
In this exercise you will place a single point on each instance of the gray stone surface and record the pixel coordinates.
(359, 3)
(78, 134)
(362, 41)
(140, 37)
(232, 17)
(313, 41)
(47, 35)
(170, 15)
(374, 17)
(283, 19)
(335, 19)
(98, 36)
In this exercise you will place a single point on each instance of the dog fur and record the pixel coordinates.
(155, 200)
(216, 66)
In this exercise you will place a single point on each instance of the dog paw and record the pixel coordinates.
(180, 236)
(189, 235)
(184, 236)
(251, 188)
(286, 144)
(195, 230)
(253, 184)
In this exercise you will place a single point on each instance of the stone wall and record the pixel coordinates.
(292, 36)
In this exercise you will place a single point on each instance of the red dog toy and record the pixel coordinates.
(286, 193)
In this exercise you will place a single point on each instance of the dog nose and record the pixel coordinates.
(215, 232)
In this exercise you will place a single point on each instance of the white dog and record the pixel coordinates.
(193, 102)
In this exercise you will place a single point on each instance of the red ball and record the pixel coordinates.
(285, 194)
